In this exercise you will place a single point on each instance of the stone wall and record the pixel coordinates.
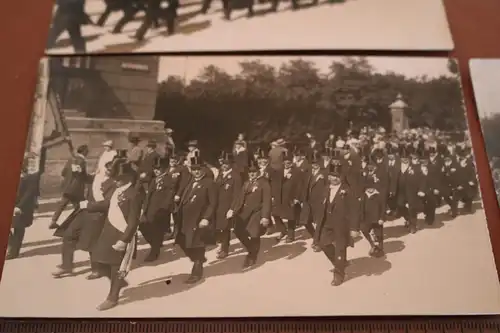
(118, 97)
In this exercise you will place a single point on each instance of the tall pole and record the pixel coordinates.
(34, 142)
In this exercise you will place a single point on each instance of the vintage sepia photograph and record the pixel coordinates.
(135, 26)
(485, 74)
(185, 187)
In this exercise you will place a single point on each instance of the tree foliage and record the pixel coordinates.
(490, 127)
(265, 102)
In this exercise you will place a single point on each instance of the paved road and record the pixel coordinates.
(447, 269)
(356, 24)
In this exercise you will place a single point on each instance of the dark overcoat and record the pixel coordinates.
(285, 189)
(228, 187)
(252, 204)
(75, 178)
(312, 198)
(410, 183)
(198, 202)
(123, 212)
(335, 215)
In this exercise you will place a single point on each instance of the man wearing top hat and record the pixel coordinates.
(285, 187)
(75, 179)
(467, 187)
(145, 170)
(334, 235)
(411, 188)
(82, 228)
(27, 193)
(107, 156)
(135, 152)
(197, 208)
(115, 247)
(175, 166)
(393, 169)
(251, 211)
(228, 185)
(276, 155)
(433, 171)
(240, 157)
(312, 199)
(373, 208)
(159, 205)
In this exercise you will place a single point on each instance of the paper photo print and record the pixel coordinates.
(485, 73)
(135, 26)
(188, 187)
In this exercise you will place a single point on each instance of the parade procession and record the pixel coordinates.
(340, 191)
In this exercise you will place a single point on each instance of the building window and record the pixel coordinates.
(82, 62)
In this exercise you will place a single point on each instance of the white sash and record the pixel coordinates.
(115, 214)
(97, 192)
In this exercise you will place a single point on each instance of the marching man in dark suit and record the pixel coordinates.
(146, 165)
(432, 171)
(197, 206)
(334, 234)
(312, 199)
(373, 209)
(159, 205)
(69, 16)
(75, 179)
(466, 190)
(27, 194)
(116, 244)
(285, 188)
(251, 211)
(393, 169)
(228, 184)
(411, 188)
(185, 177)
(83, 227)
(240, 158)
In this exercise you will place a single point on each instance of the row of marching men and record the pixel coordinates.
(335, 193)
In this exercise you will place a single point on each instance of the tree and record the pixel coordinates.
(264, 102)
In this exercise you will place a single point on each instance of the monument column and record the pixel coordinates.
(398, 114)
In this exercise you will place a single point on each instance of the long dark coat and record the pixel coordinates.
(285, 189)
(27, 193)
(410, 183)
(351, 169)
(312, 198)
(117, 226)
(228, 188)
(197, 203)
(162, 190)
(435, 175)
(146, 166)
(252, 204)
(336, 218)
(85, 225)
(75, 178)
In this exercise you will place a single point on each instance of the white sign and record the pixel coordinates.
(135, 67)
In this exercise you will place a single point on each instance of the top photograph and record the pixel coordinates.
(136, 26)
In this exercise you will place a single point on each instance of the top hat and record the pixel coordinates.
(287, 156)
(335, 169)
(123, 168)
(253, 166)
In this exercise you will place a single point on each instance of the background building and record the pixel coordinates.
(100, 98)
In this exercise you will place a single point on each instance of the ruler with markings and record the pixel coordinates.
(306, 325)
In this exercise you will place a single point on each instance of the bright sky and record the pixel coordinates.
(485, 74)
(190, 67)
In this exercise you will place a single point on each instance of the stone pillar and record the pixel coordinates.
(119, 99)
(398, 114)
